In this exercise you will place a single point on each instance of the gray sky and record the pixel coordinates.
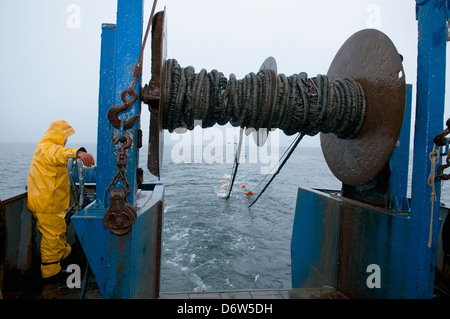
(50, 63)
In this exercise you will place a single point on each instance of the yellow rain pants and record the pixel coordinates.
(54, 246)
(49, 194)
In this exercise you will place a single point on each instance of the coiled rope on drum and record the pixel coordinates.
(302, 104)
(298, 104)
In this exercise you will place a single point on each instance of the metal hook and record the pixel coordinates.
(113, 112)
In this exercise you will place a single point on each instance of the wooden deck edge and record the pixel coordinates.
(305, 293)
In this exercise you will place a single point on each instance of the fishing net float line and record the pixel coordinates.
(294, 104)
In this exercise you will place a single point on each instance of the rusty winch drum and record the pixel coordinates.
(369, 57)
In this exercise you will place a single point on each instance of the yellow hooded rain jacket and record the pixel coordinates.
(49, 194)
(48, 181)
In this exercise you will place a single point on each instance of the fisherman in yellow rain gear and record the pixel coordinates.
(49, 193)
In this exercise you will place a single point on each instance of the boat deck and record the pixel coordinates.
(31, 287)
(310, 293)
(59, 290)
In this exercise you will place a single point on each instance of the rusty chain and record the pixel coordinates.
(441, 141)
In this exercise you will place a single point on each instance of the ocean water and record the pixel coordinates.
(210, 243)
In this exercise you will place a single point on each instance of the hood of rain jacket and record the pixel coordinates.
(48, 180)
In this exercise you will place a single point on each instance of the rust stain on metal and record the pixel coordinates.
(370, 58)
(154, 95)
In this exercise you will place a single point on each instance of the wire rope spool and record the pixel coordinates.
(370, 58)
(357, 107)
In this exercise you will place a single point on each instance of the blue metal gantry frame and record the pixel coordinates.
(334, 240)
(125, 266)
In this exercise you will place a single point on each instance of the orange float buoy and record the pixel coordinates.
(252, 193)
(247, 193)
(243, 186)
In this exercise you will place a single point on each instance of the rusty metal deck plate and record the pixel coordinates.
(370, 58)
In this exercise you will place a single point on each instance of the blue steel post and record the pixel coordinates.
(431, 65)
(128, 265)
(105, 101)
(126, 54)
